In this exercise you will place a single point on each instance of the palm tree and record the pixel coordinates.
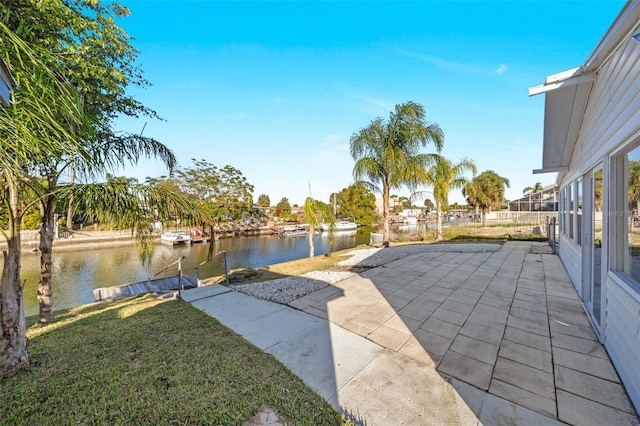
(486, 191)
(33, 129)
(124, 203)
(445, 176)
(105, 155)
(311, 208)
(387, 153)
(533, 189)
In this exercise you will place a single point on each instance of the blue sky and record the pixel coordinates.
(276, 89)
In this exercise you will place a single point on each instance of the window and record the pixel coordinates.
(579, 211)
(626, 186)
(570, 208)
(561, 212)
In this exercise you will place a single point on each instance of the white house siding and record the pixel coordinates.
(571, 255)
(612, 115)
(611, 121)
(623, 333)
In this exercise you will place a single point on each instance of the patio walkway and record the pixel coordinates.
(508, 323)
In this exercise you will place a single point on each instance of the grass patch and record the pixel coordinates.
(284, 269)
(144, 361)
(512, 224)
(491, 233)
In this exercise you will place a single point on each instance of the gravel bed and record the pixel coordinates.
(370, 258)
(285, 290)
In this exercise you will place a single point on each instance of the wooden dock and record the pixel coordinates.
(160, 285)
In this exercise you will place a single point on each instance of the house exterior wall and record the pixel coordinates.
(612, 115)
(610, 126)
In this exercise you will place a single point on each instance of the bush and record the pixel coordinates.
(31, 219)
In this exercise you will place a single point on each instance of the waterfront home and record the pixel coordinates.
(592, 140)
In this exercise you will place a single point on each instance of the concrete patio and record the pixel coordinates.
(509, 323)
(442, 339)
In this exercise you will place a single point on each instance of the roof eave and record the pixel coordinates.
(564, 79)
(550, 170)
(617, 34)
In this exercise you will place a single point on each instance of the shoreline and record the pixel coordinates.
(30, 239)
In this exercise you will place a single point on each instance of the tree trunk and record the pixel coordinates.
(438, 221)
(212, 240)
(47, 230)
(385, 214)
(13, 343)
(484, 216)
(311, 248)
(72, 176)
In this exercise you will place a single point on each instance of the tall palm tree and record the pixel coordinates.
(444, 176)
(126, 203)
(106, 154)
(34, 128)
(387, 153)
(486, 191)
(533, 189)
(311, 210)
(634, 184)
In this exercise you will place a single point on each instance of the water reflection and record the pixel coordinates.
(77, 273)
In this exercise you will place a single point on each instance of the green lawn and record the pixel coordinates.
(143, 361)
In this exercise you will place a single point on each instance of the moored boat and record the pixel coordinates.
(410, 220)
(341, 225)
(198, 236)
(173, 238)
(293, 231)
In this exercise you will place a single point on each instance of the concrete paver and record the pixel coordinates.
(481, 332)
(576, 410)
(592, 388)
(450, 316)
(476, 349)
(525, 377)
(389, 337)
(527, 338)
(467, 369)
(577, 344)
(442, 338)
(326, 357)
(438, 345)
(526, 355)
(421, 397)
(599, 367)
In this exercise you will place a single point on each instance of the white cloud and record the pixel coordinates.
(502, 68)
(442, 63)
(334, 138)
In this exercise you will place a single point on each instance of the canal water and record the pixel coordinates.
(76, 273)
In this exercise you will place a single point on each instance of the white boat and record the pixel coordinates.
(410, 220)
(175, 237)
(341, 225)
(293, 231)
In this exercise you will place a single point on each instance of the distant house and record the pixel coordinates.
(393, 202)
(7, 83)
(544, 200)
(592, 140)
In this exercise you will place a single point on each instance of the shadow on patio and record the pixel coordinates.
(484, 336)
